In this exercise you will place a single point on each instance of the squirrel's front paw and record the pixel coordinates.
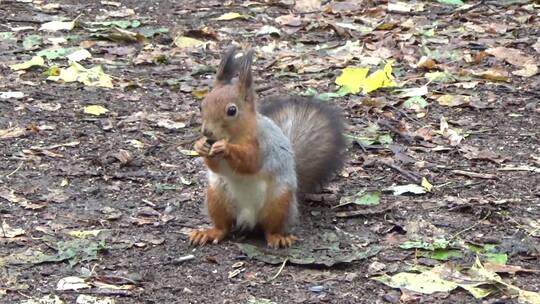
(219, 147)
(203, 236)
(202, 147)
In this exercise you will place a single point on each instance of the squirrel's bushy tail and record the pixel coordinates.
(316, 134)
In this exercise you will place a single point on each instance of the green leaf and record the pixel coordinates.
(35, 61)
(52, 54)
(436, 244)
(440, 77)
(415, 103)
(90, 77)
(32, 41)
(326, 249)
(426, 282)
(361, 198)
(451, 2)
(497, 258)
(123, 24)
(445, 254)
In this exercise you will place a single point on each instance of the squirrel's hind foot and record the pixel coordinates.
(276, 240)
(203, 236)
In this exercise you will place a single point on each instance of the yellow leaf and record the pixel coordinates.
(230, 16)
(426, 184)
(187, 42)
(90, 77)
(95, 110)
(84, 233)
(453, 100)
(199, 93)
(351, 79)
(35, 61)
(188, 152)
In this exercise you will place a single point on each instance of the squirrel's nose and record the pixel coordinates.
(206, 132)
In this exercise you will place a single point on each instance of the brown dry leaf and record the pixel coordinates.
(8, 232)
(473, 153)
(10, 196)
(517, 58)
(289, 20)
(453, 100)
(426, 63)
(511, 269)
(494, 74)
(12, 132)
(305, 6)
(123, 156)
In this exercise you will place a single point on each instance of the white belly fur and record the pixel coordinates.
(247, 194)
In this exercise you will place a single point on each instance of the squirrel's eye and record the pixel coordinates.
(231, 110)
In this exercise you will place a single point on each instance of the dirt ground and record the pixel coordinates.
(127, 176)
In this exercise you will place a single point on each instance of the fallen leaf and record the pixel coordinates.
(409, 188)
(517, 58)
(230, 16)
(307, 5)
(268, 30)
(8, 232)
(79, 55)
(361, 198)
(493, 74)
(10, 196)
(91, 77)
(10, 95)
(474, 153)
(188, 152)
(88, 299)
(353, 79)
(451, 134)
(95, 110)
(329, 249)
(35, 61)
(48, 299)
(183, 42)
(451, 2)
(290, 20)
(12, 132)
(453, 100)
(54, 26)
(72, 283)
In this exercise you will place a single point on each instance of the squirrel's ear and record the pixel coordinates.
(245, 79)
(225, 71)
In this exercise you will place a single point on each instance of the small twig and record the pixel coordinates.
(472, 226)
(413, 177)
(19, 167)
(390, 127)
(280, 270)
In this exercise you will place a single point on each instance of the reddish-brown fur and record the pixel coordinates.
(274, 218)
(220, 216)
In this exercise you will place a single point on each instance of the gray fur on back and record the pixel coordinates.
(277, 154)
(315, 131)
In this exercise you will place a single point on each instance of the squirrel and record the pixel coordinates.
(260, 158)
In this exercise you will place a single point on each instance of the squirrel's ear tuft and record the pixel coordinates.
(245, 79)
(226, 69)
